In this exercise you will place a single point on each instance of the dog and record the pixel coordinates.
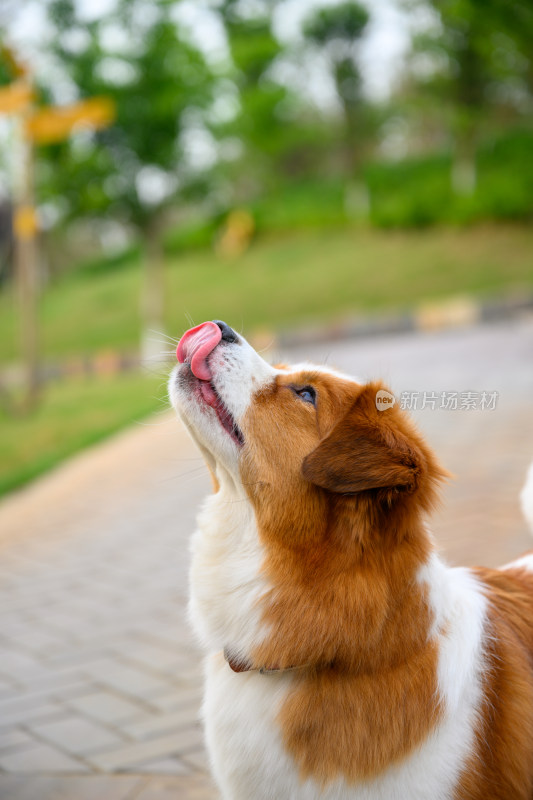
(345, 660)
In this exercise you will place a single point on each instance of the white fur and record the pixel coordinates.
(526, 498)
(225, 577)
(524, 562)
(459, 608)
(307, 366)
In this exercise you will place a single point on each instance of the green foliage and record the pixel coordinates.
(275, 136)
(505, 189)
(337, 30)
(123, 259)
(417, 192)
(410, 193)
(191, 236)
(301, 205)
(306, 204)
(414, 192)
(157, 80)
(279, 157)
(480, 59)
(344, 22)
(6, 75)
(253, 47)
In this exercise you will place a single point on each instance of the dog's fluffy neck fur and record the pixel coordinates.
(355, 605)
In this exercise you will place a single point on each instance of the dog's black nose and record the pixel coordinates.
(228, 334)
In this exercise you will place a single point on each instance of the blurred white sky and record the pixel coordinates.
(386, 40)
(385, 44)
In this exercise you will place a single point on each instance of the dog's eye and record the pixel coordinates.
(307, 394)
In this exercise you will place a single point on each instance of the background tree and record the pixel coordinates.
(481, 68)
(135, 171)
(281, 137)
(337, 31)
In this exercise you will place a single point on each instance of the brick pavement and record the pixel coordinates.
(99, 677)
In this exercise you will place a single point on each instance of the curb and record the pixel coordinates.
(455, 312)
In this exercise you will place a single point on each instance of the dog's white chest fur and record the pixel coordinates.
(225, 577)
(249, 760)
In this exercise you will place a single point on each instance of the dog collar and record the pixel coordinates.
(238, 665)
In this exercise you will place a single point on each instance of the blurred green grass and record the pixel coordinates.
(281, 281)
(73, 414)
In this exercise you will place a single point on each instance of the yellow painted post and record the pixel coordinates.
(56, 123)
(25, 229)
(15, 97)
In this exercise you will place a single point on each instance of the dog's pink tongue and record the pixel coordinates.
(195, 345)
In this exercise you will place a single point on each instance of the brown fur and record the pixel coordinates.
(502, 766)
(343, 569)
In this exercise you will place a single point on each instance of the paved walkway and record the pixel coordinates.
(99, 677)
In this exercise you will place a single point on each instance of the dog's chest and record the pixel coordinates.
(249, 758)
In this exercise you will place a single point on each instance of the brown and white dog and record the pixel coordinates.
(345, 660)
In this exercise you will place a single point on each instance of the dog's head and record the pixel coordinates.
(297, 437)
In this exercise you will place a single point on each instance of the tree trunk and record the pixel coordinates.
(26, 259)
(153, 298)
(464, 168)
(464, 172)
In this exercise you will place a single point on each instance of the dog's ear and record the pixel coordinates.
(367, 449)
